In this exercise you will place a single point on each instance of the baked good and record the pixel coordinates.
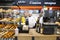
(2, 25)
(8, 34)
(8, 26)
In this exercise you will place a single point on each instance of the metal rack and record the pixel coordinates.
(5, 31)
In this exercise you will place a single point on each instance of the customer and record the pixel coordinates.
(31, 19)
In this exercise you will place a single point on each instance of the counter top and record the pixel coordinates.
(32, 32)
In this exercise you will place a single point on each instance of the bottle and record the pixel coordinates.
(41, 29)
(16, 31)
(38, 26)
(26, 24)
(25, 27)
(23, 19)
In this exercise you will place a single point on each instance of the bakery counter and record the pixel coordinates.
(32, 32)
(33, 35)
(24, 36)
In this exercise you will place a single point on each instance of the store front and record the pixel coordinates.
(30, 20)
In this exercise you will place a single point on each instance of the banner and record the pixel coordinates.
(37, 2)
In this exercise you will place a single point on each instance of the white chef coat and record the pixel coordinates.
(32, 21)
(41, 20)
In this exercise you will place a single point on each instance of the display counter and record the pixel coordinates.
(33, 35)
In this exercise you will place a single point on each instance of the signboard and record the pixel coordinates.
(34, 2)
(28, 2)
(37, 2)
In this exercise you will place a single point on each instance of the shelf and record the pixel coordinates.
(8, 22)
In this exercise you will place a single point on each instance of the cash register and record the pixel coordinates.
(58, 23)
(49, 28)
